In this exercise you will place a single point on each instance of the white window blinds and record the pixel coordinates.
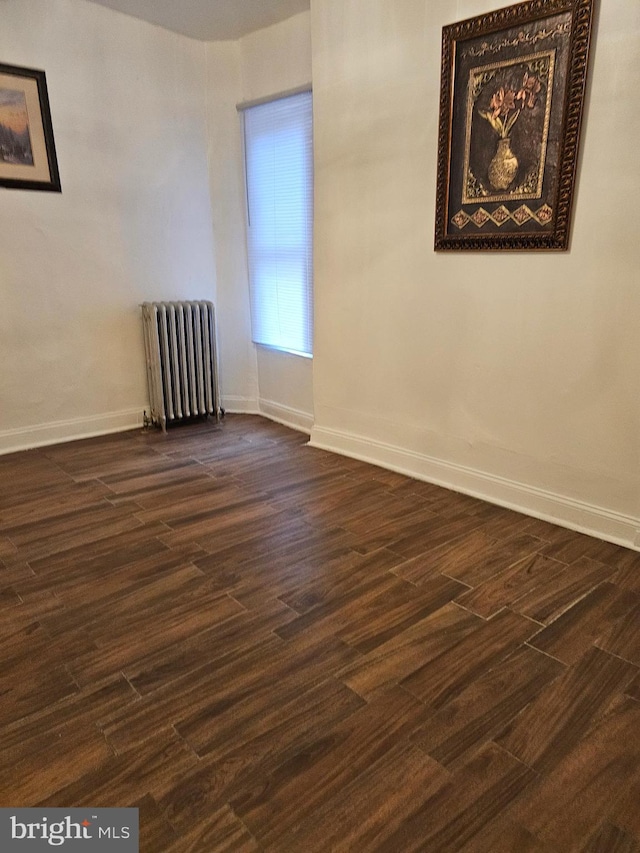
(279, 175)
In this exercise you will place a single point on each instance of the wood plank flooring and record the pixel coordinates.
(266, 647)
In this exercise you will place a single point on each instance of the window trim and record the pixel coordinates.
(267, 99)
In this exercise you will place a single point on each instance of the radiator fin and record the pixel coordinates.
(181, 354)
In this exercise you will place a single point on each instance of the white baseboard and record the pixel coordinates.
(557, 509)
(240, 405)
(294, 418)
(57, 432)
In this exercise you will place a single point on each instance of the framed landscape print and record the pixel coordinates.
(512, 92)
(27, 150)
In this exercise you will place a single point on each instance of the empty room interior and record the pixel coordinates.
(385, 595)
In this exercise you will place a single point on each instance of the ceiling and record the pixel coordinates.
(210, 20)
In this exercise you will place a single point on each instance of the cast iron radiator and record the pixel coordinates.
(182, 364)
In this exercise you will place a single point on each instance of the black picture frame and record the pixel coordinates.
(27, 149)
(512, 93)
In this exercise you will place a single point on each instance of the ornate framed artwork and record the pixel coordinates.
(511, 100)
(27, 150)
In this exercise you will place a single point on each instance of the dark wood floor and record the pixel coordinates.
(267, 647)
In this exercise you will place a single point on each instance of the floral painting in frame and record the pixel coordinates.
(512, 94)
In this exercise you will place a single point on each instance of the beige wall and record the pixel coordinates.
(513, 376)
(510, 375)
(239, 371)
(275, 60)
(133, 221)
(263, 64)
(149, 145)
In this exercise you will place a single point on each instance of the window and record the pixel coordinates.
(278, 141)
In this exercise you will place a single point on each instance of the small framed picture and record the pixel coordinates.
(27, 150)
(512, 92)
